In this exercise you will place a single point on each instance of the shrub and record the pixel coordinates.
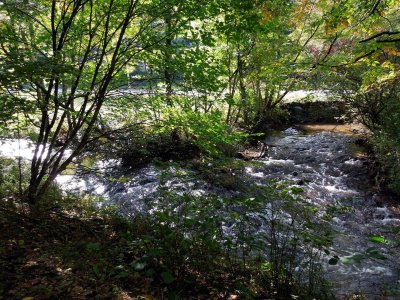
(207, 131)
(386, 142)
(378, 108)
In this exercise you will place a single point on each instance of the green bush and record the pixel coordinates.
(207, 131)
(386, 142)
(378, 108)
(13, 177)
(270, 119)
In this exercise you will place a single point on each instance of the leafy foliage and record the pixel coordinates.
(207, 131)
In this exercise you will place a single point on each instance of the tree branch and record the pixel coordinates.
(380, 34)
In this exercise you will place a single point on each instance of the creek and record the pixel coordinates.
(328, 167)
(334, 175)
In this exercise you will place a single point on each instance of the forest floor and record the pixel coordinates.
(68, 256)
(49, 258)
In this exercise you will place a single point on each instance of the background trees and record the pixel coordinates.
(360, 62)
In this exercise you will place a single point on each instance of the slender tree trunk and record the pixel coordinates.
(168, 75)
(242, 88)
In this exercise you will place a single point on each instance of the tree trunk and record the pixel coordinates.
(168, 75)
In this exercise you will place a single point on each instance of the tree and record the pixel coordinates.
(65, 57)
(265, 54)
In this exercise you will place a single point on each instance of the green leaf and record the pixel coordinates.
(167, 277)
(354, 259)
(122, 275)
(376, 239)
(93, 247)
(374, 253)
(138, 266)
(296, 190)
(149, 273)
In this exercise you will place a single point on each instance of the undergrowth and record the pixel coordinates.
(262, 243)
(179, 252)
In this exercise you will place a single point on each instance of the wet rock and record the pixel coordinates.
(378, 200)
(148, 180)
(316, 111)
(120, 189)
(309, 159)
(237, 209)
(302, 149)
(338, 148)
(342, 158)
(361, 141)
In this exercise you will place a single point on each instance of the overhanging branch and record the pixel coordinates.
(381, 34)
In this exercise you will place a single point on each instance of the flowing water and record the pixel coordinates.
(329, 170)
(332, 175)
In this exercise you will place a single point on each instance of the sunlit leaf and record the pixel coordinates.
(376, 239)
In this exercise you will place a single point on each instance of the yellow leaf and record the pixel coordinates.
(393, 52)
(28, 298)
(387, 64)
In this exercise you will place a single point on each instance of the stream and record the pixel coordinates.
(332, 174)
